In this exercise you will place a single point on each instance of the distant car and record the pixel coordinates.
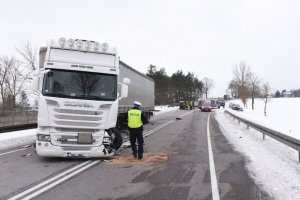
(206, 106)
(221, 103)
(236, 107)
(214, 104)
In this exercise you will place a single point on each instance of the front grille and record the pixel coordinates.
(70, 123)
(71, 118)
(81, 118)
(80, 112)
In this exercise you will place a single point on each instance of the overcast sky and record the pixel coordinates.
(206, 37)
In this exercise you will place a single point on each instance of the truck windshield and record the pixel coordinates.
(80, 85)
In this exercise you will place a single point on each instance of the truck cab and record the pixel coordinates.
(79, 92)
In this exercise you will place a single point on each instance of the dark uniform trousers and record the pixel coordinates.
(137, 134)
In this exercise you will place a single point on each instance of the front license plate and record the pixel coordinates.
(85, 138)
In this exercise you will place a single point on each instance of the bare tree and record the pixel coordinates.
(5, 64)
(266, 93)
(29, 57)
(207, 85)
(234, 88)
(254, 86)
(241, 77)
(17, 76)
(28, 53)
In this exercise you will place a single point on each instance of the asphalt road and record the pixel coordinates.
(177, 165)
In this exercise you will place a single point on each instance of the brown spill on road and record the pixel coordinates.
(147, 158)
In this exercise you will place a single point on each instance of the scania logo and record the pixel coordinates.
(79, 104)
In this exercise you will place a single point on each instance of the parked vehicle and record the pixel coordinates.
(206, 106)
(221, 103)
(214, 104)
(81, 99)
(185, 105)
(236, 107)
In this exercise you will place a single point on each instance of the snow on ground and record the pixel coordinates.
(283, 114)
(17, 138)
(163, 109)
(274, 166)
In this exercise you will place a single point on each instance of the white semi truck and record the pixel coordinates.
(81, 99)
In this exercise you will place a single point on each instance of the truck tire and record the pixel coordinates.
(117, 139)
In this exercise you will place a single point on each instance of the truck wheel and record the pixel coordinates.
(117, 139)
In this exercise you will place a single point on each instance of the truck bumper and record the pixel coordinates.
(46, 149)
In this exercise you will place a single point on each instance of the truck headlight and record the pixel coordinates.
(43, 138)
(104, 46)
(71, 43)
(96, 46)
(62, 41)
(79, 44)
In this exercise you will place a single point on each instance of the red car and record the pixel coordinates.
(206, 106)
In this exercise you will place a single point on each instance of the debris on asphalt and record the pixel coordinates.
(26, 155)
(147, 158)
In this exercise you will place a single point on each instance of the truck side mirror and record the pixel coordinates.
(35, 83)
(124, 91)
(36, 78)
(126, 81)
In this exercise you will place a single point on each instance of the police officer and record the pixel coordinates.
(136, 119)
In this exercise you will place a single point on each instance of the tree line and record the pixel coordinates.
(177, 87)
(285, 93)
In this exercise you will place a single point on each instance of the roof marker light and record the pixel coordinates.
(71, 43)
(104, 46)
(62, 41)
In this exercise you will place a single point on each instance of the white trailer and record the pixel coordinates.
(79, 94)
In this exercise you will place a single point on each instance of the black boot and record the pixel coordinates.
(140, 156)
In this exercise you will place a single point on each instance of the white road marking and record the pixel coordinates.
(1, 154)
(50, 180)
(213, 177)
(186, 114)
(60, 181)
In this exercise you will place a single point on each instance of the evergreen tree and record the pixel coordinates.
(277, 94)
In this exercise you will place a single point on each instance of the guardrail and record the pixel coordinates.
(19, 127)
(289, 141)
(12, 118)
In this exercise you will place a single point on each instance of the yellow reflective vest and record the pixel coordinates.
(135, 118)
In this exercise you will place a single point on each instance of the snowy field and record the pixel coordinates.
(274, 166)
(283, 114)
